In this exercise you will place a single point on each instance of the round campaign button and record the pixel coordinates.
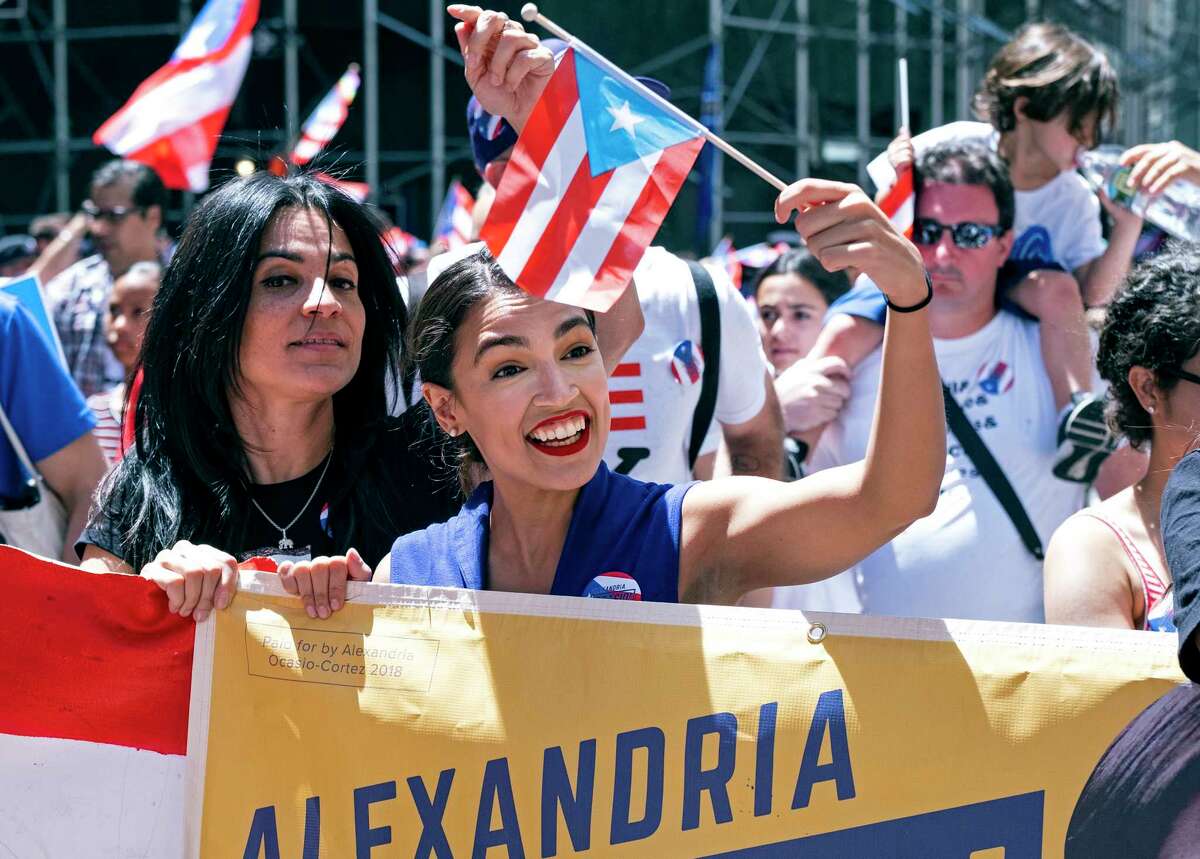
(613, 586)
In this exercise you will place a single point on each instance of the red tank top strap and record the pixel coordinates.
(1154, 584)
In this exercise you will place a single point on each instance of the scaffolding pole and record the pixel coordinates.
(371, 93)
(862, 112)
(185, 18)
(716, 32)
(804, 150)
(937, 66)
(62, 116)
(437, 109)
(963, 84)
(291, 71)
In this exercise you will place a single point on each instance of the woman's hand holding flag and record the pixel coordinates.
(506, 67)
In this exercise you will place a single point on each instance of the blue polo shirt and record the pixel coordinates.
(622, 543)
(41, 401)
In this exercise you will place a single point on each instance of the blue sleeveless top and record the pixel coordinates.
(622, 543)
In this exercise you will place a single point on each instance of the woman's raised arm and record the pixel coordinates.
(745, 533)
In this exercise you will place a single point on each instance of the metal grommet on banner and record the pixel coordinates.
(816, 633)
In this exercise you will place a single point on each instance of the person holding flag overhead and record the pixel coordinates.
(674, 398)
(518, 382)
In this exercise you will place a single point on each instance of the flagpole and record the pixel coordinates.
(530, 13)
(902, 70)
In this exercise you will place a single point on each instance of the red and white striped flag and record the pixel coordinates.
(173, 120)
(589, 182)
(454, 221)
(324, 123)
(96, 679)
(900, 202)
(358, 190)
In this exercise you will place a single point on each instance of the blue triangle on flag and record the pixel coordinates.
(619, 123)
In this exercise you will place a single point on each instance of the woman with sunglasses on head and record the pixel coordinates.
(518, 383)
(1105, 565)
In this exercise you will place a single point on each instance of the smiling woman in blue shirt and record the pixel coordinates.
(519, 384)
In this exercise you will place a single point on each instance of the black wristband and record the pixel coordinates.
(912, 308)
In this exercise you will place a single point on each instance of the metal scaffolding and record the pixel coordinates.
(386, 169)
(804, 86)
(1153, 45)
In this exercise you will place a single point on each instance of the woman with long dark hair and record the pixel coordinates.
(263, 424)
(519, 383)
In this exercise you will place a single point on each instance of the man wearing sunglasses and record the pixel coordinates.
(123, 212)
(967, 559)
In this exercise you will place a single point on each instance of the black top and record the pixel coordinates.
(1181, 538)
(417, 487)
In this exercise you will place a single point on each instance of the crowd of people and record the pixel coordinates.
(994, 420)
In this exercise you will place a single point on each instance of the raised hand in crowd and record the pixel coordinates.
(1157, 165)
(900, 151)
(812, 392)
(62, 251)
(506, 67)
(738, 534)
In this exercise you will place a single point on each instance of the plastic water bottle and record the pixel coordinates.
(1176, 210)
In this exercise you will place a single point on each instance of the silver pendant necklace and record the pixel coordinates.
(285, 542)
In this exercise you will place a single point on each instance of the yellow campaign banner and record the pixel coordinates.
(447, 723)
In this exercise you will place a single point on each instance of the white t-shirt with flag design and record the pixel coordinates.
(966, 559)
(655, 388)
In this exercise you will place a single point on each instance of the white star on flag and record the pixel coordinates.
(625, 118)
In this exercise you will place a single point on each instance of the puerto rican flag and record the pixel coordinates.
(589, 182)
(454, 220)
(94, 731)
(900, 202)
(173, 120)
(325, 122)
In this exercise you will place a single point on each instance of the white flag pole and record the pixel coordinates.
(530, 13)
(902, 70)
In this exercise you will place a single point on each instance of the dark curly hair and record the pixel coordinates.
(1056, 71)
(1153, 322)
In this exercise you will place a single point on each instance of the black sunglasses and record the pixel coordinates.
(968, 235)
(113, 216)
(1180, 374)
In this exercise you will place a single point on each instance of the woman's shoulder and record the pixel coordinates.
(1096, 533)
(444, 554)
(621, 490)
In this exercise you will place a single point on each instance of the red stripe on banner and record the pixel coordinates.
(630, 369)
(643, 222)
(524, 168)
(172, 155)
(634, 423)
(569, 220)
(620, 398)
(91, 657)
